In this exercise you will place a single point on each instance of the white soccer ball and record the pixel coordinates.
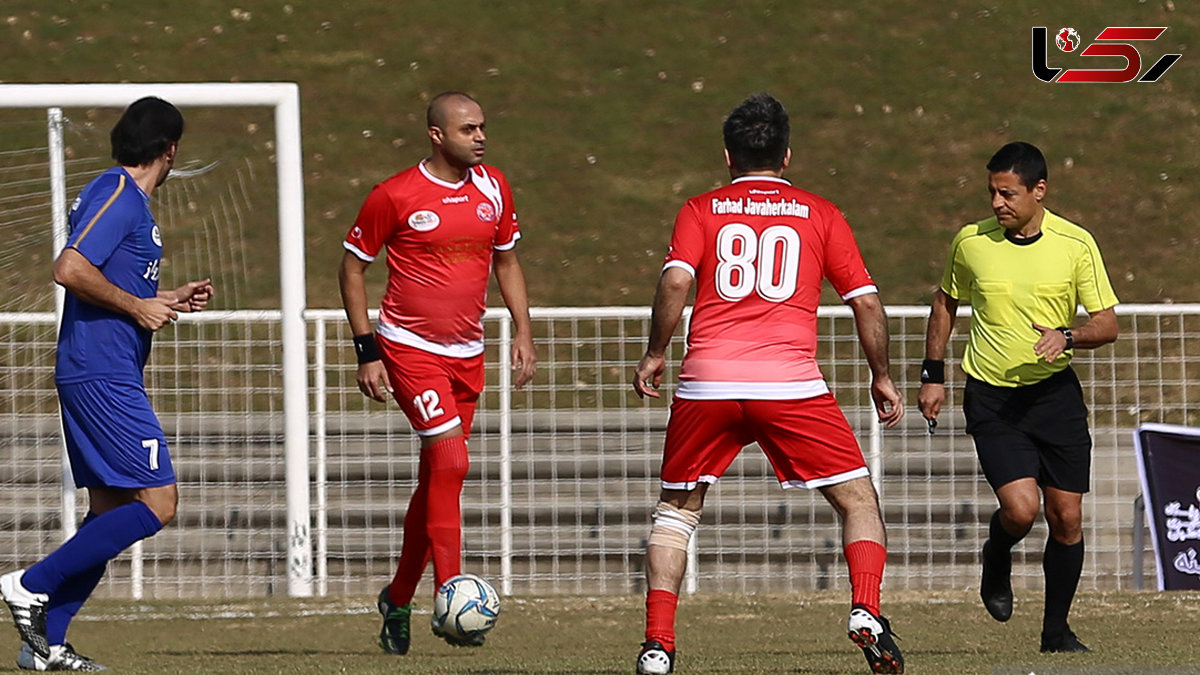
(465, 606)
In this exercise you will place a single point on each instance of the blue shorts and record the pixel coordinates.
(113, 437)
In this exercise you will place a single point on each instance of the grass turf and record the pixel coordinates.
(941, 633)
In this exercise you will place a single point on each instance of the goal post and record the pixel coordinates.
(284, 99)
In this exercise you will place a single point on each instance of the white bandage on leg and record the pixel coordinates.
(673, 527)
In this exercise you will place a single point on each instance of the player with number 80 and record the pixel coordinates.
(757, 251)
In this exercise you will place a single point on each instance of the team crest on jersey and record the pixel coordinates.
(486, 212)
(424, 221)
(154, 234)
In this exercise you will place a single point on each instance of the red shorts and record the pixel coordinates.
(808, 441)
(436, 392)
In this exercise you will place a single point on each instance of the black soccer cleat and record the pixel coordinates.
(873, 635)
(393, 637)
(995, 587)
(1063, 643)
(28, 612)
(654, 659)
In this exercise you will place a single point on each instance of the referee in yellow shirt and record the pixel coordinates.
(1024, 271)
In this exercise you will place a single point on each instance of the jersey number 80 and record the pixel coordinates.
(747, 262)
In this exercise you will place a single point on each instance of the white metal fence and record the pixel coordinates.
(564, 472)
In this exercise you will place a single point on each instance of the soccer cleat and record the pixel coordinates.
(1064, 642)
(28, 611)
(393, 637)
(654, 659)
(62, 657)
(995, 587)
(874, 636)
(456, 641)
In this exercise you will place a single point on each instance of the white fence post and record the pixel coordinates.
(319, 422)
(506, 505)
(58, 212)
(691, 580)
(137, 571)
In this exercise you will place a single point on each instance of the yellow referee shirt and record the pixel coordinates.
(1012, 285)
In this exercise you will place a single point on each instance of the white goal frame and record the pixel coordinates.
(284, 99)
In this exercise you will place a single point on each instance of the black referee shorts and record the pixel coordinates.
(1035, 431)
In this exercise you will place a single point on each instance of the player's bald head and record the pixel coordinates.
(439, 108)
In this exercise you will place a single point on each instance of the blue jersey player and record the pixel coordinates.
(110, 270)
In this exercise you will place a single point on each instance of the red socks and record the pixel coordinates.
(660, 617)
(866, 559)
(448, 465)
(433, 523)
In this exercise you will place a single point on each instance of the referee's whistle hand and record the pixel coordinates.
(930, 400)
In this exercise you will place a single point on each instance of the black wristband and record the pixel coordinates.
(1070, 338)
(365, 348)
(933, 372)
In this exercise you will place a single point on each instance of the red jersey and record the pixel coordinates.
(758, 249)
(439, 238)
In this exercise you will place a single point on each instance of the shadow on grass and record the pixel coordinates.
(247, 652)
(251, 653)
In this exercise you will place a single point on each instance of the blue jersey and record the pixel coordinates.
(111, 226)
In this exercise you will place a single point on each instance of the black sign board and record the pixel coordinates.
(1169, 464)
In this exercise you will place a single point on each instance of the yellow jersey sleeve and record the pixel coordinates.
(1091, 278)
(957, 277)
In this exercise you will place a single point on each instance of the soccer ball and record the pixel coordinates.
(465, 606)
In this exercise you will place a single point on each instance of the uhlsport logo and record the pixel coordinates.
(1112, 41)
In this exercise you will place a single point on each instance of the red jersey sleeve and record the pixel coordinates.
(687, 240)
(375, 224)
(507, 230)
(844, 266)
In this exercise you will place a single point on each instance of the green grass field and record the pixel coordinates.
(942, 633)
(606, 115)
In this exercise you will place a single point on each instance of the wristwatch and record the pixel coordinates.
(1070, 338)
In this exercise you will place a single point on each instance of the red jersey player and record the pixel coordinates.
(757, 251)
(444, 224)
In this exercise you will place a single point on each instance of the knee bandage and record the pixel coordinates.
(673, 527)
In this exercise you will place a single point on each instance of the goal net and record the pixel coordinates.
(217, 379)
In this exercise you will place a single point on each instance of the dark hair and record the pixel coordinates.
(756, 134)
(1021, 158)
(435, 114)
(145, 131)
